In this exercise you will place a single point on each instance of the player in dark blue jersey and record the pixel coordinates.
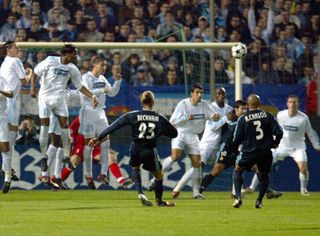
(228, 151)
(255, 131)
(146, 126)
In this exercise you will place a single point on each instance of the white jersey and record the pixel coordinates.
(212, 132)
(96, 86)
(3, 99)
(294, 130)
(201, 112)
(12, 71)
(54, 77)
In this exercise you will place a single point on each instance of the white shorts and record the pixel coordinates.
(281, 153)
(57, 106)
(187, 142)
(54, 127)
(13, 110)
(207, 151)
(92, 122)
(4, 130)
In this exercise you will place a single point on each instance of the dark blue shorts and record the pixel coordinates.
(262, 158)
(145, 156)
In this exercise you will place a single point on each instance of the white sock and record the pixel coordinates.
(43, 139)
(196, 180)
(184, 180)
(58, 163)
(254, 182)
(167, 163)
(12, 138)
(51, 153)
(7, 166)
(87, 160)
(233, 189)
(104, 154)
(65, 137)
(304, 179)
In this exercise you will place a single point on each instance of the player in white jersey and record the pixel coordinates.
(13, 72)
(5, 92)
(93, 120)
(295, 125)
(209, 143)
(54, 73)
(189, 118)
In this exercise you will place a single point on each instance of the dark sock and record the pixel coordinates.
(238, 181)
(206, 181)
(136, 176)
(263, 186)
(158, 190)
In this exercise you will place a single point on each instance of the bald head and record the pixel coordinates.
(253, 101)
(220, 95)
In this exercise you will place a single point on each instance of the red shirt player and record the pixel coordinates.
(76, 157)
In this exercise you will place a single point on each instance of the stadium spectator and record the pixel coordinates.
(129, 67)
(126, 12)
(169, 27)
(221, 75)
(24, 21)
(92, 34)
(152, 15)
(282, 75)
(36, 10)
(143, 77)
(143, 149)
(36, 31)
(8, 30)
(58, 5)
(80, 20)
(252, 63)
(266, 75)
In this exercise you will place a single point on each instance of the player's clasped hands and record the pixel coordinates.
(94, 101)
(215, 117)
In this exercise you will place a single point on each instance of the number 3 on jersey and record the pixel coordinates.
(147, 130)
(257, 123)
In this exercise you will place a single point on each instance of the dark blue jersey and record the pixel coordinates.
(255, 131)
(146, 127)
(226, 139)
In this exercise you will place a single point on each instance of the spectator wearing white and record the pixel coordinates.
(8, 30)
(93, 120)
(24, 21)
(58, 4)
(92, 34)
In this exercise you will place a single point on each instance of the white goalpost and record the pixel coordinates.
(116, 45)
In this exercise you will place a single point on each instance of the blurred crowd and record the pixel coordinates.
(281, 36)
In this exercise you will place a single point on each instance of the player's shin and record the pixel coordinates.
(158, 190)
(184, 180)
(43, 139)
(304, 179)
(12, 138)
(238, 181)
(104, 147)
(66, 142)
(196, 180)
(263, 184)
(136, 176)
(87, 161)
(58, 163)
(6, 158)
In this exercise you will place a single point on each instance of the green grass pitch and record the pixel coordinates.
(81, 212)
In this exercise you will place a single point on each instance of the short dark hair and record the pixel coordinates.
(196, 86)
(239, 103)
(293, 96)
(68, 48)
(7, 45)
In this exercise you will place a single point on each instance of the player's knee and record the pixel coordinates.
(75, 160)
(262, 176)
(158, 175)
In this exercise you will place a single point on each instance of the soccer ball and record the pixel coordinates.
(239, 50)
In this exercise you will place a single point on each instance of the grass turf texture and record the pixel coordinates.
(81, 212)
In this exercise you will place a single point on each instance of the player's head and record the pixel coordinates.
(292, 102)
(69, 52)
(220, 96)
(240, 107)
(99, 65)
(196, 93)
(253, 101)
(10, 49)
(147, 99)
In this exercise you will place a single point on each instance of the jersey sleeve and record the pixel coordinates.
(312, 135)
(215, 125)
(167, 129)
(19, 69)
(76, 77)
(238, 135)
(117, 124)
(276, 129)
(179, 115)
(114, 90)
(41, 67)
(209, 111)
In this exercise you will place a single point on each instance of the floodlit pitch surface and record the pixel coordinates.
(97, 213)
